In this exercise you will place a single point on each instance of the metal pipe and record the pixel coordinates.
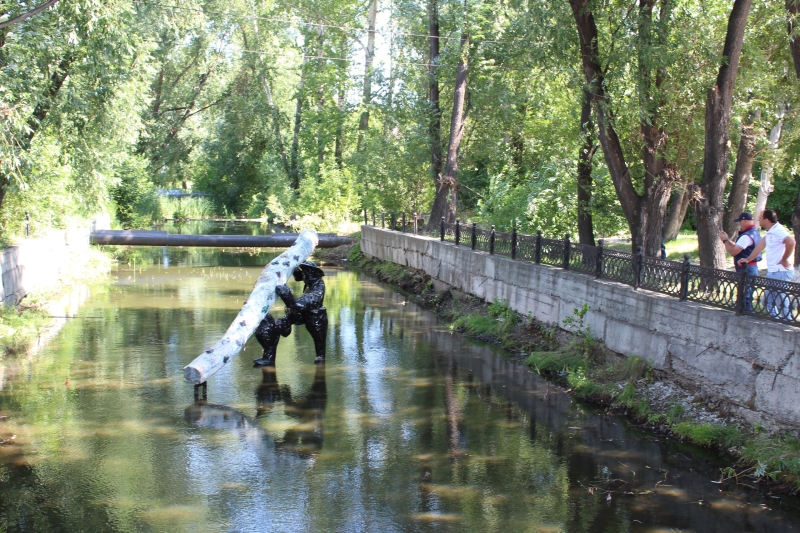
(162, 238)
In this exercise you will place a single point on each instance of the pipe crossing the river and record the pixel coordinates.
(162, 238)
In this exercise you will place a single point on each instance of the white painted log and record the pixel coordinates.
(277, 272)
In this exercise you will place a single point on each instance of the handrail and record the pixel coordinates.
(739, 292)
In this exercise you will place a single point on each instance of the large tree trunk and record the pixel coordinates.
(766, 186)
(445, 202)
(708, 208)
(585, 157)
(366, 98)
(676, 213)
(645, 213)
(793, 7)
(435, 126)
(742, 174)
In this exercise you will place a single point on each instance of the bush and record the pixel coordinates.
(137, 204)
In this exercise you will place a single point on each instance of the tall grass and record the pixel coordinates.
(185, 208)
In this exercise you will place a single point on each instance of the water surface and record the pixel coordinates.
(407, 427)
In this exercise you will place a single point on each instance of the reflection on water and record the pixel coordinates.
(406, 427)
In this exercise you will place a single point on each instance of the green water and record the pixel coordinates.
(407, 427)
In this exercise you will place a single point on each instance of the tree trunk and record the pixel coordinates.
(708, 207)
(518, 144)
(278, 272)
(766, 186)
(793, 7)
(320, 98)
(742, 174)
(366, 99)
(339, 144)
(276, 126)
(294, 175)
(676, 213)
(445, 203)
(585, 157)
(435, 126)
(645, 213)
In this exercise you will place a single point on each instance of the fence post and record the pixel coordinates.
(394, 226)
(537, 254)
(373, 216)
(740, 292)
(599, 259)
(637, 267)
(474, 224)
(685, 278)
(442, 230)
(383, 220)
(415, 223)
(458, 232)
(491, 241)
(514, 242)
(403, 223)
(566, 251)
(366, 220)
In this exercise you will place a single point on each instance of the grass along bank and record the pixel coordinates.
(568, 354)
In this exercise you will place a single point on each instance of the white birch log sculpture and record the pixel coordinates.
(277, 272)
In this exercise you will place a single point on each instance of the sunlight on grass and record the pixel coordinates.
(686, 243)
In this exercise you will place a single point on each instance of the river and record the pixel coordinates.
(406, 427)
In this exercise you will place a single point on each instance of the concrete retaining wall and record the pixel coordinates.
(40, 264)
(753, 366)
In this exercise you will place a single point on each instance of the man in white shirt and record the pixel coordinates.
(778, 246)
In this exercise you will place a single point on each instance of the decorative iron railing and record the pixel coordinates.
(757, 296)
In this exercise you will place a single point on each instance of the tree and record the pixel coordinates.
(644, 211)
(708, 208)
(435, 124)
(446, 199)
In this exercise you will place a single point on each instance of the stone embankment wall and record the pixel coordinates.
(752, 366)
(41, 263)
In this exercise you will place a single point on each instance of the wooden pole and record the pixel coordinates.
(278, 272)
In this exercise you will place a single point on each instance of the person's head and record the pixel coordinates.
(310, 271)
(768, 218)
(745, 220)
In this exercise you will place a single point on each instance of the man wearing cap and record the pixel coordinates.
(778, 246)
(749, 237)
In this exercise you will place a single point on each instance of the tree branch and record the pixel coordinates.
(27, 15)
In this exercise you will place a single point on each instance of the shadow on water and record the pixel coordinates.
(406, 427)
(302, 440)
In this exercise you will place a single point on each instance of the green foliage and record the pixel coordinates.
(185, 208)
(500, 322)
(556, 361)
(628, 395)
(632, 368)
(356, 256)
(774, 455)
(675, 413)
(135, 198)
(19, 328)
(724, 436)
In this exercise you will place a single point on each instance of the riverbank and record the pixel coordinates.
(570, 355)
(40, 313)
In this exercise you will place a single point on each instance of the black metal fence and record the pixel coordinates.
(739, 292)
